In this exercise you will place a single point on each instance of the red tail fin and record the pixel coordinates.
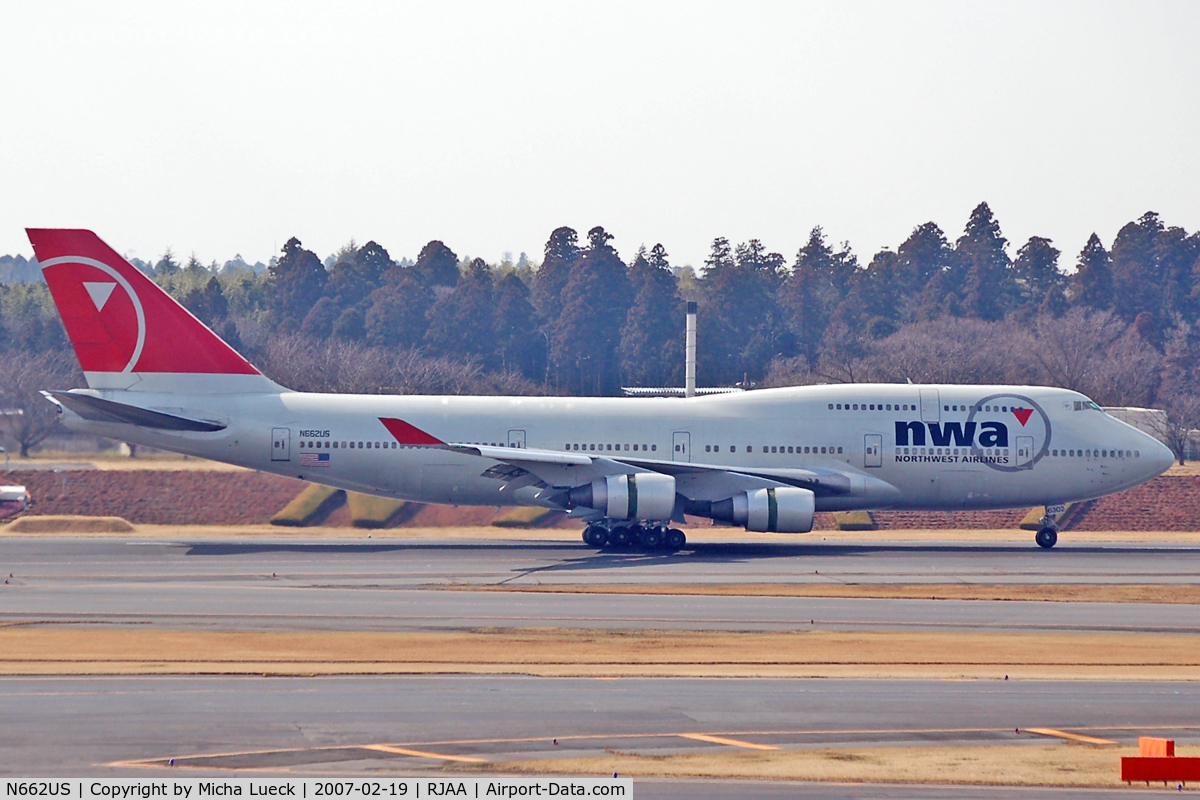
(126, 331)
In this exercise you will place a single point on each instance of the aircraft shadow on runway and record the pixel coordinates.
(694, 553)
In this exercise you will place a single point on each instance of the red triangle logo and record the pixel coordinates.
(1023, 414)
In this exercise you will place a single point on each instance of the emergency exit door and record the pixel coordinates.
(281, 444)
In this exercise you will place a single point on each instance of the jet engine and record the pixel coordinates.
(645, 495)
(781, 510)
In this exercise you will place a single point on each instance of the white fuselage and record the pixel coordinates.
(902, 446)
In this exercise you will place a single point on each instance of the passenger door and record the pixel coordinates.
(516, 439)
(873, 448)
(931, 406)
(281, 444)
(682, 450)
(1024, 451)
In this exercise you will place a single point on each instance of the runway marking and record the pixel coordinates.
(381, 748)
(404, 751)
(1076, 737)
(704, 737)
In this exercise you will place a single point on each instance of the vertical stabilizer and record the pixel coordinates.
(127, 332)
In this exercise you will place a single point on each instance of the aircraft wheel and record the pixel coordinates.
(620, 537)
(651, 538)
(1046, 537)
(676, 539)
(595, 535)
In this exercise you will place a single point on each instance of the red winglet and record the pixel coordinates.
(407, 434)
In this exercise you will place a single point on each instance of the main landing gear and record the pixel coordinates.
(1047, 535)
(641, 537)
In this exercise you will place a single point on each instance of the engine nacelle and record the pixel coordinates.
(781, 510)
(644, 495)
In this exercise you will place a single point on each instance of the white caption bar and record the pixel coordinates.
(304, 789)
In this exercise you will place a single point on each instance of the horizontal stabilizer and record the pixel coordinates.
(97, 409)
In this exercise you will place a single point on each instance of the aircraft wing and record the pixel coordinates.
(555, 471)
(552, 469)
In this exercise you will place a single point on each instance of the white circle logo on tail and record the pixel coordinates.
(101, 292)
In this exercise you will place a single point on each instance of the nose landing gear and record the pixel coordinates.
(1047, 535)
(642, 537)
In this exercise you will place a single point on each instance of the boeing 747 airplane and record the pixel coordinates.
(765, 460)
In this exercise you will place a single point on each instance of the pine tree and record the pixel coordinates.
(208, 304)
(1036, 272)
(925, 253)
(520, 345)
(437, 265)
(818, 283)
(167, 265)
(652, 338)
(462, 323)
(989, 290)
(397, 315)
(295, 282)
(1092, 283)
(561, 254)
(585, 337)
(1138, 283)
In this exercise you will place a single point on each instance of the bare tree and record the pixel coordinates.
(1181, 420)
(313, 365)
(954, 350)
(1099, 355)
(27, 417)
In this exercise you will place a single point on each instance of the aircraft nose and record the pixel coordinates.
(1160, 456)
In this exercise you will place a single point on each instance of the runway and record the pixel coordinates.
(330, 725)
(322, 726)
(418, 586)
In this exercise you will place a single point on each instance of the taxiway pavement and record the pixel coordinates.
(420, 586)
(83, 726)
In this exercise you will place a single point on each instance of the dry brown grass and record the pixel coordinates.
(1175, 594)
(1000, 765)
(68, 524)
(558, 652)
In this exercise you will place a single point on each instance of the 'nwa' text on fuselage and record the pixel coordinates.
(952, 434)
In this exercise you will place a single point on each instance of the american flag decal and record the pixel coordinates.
(314, 459)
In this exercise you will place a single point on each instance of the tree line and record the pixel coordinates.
(1121, 326)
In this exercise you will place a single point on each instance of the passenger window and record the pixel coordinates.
(789, 448)
(733, 448)
(839, 451)
(708, 448)
(831, 406)
(749, 448)
(716, 448)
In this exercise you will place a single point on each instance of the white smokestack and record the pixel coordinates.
(689, 385)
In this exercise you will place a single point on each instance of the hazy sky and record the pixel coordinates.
(225, 128)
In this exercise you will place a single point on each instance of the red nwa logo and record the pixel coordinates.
(1023, 415)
